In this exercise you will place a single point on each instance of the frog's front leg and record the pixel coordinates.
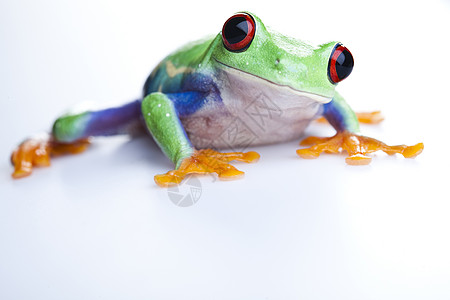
(344, 120)
(162, 120)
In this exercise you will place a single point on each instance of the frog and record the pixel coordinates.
(248, 85)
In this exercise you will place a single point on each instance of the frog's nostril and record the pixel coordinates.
(277, 61)
(340, 64)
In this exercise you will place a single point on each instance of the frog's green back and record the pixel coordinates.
(191, 53)
(169, 73)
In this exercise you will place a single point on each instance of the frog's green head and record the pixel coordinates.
(248, 46)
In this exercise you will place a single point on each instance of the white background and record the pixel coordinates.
(96, 226)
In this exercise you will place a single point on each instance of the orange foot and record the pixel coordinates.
(357, 146)
(36, 152)
(373, 117)
(207, 161)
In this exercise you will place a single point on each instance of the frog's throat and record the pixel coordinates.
(312, 96)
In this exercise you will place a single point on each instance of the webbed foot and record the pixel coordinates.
(357, 146)
(36, 152)
(207, 161)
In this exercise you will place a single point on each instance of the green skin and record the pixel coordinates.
(191, 85)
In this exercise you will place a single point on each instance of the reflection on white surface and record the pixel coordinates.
(96, 226)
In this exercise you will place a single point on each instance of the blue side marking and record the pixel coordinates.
(188, 91)
(187, 103)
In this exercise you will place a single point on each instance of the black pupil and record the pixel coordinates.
(236, 30)
(344, 64)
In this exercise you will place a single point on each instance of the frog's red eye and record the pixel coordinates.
(238, 32)
(340, 64)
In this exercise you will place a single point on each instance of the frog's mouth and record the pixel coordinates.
(281, 87)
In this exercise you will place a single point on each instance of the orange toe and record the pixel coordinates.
(207, 161)
(36, 152)
(357, 147)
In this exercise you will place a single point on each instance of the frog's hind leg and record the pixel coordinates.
(70, 135)
(372, 117)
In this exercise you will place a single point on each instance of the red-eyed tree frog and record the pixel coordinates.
(246, 86)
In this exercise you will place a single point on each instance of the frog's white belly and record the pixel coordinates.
(254, 112)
